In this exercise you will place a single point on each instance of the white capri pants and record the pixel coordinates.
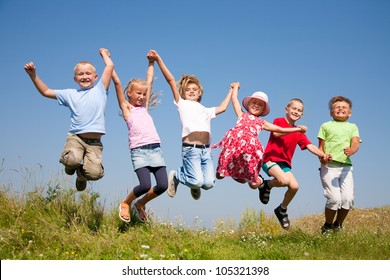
(337, 181)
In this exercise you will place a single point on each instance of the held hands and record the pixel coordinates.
(104, 51)
(30, 69)
(152, 55)
(325, 158)
(235, 85)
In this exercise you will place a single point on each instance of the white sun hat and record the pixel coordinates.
(258, 95)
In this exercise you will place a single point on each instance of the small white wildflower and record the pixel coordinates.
(145, 246)
(143, 256)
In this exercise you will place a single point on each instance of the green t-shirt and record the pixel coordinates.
(337, 136)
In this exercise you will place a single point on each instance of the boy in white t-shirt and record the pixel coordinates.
(83, 148)
(197, 170)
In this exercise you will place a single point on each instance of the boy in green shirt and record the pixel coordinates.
(341, 139)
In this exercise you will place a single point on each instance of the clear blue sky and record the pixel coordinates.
(309, 49)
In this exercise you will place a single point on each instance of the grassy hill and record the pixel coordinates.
(58, 224)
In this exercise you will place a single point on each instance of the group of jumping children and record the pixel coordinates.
(242, 155)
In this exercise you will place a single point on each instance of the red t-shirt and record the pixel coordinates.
(281, 149)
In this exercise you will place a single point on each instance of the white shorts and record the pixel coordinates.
(337, 181)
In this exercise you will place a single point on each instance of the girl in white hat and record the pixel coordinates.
(242, 152)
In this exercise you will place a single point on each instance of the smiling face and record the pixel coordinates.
(256, 106)
(192, 92)
(85, 75)
(294, 111)
(137, 94)
(340, 111)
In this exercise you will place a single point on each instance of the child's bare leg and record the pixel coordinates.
(329, 216)
(140, 204)
(341, 215)
(291, 191)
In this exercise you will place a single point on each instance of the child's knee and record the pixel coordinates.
(71, 159)
(93, 173)
(294, 187)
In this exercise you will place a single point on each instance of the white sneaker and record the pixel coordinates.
(195, 193)
(172, 184)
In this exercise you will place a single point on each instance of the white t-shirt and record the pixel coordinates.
(194, 116)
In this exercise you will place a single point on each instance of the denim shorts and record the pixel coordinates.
(148, 155)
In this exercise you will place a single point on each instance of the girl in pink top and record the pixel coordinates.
(242, 152)
(144, 144)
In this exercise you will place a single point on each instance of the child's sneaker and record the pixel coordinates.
(81, 181)
(172, 184)
(80, 184)
(337, 227)
(195, 193)
(282, 217)
(326, 229)
(69, 171)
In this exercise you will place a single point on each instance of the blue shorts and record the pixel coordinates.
(147, 155)
(269, 164)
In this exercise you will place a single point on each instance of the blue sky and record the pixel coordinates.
(309, 49)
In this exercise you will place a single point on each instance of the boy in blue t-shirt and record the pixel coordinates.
(83, 148)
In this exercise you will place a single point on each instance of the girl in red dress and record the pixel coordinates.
(242, 152)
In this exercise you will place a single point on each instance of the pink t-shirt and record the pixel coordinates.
(281, 149)
(141, 128)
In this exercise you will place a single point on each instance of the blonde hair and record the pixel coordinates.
(84, 63)
(339, 98)
(294, 100)
(189, 79)
(153, 99)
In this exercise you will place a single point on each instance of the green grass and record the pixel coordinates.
(55, 223)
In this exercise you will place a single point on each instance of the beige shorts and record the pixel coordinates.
(85, 154)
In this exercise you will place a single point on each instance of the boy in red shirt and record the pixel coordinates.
(278, 156)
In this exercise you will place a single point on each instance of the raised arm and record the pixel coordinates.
(225, 103)
(235, 102)
(167, 75)
(122, 102)
(43, 89)
(107, 72)
(149, 77)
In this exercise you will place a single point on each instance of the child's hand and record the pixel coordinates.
(235, 85)
(104, 51)
(152, 55)
(325, 158)
(303, 128)
(30, 68)
(348, 151)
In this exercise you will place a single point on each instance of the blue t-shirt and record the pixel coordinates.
(86, 107)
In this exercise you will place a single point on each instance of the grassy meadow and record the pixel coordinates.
(55, 223)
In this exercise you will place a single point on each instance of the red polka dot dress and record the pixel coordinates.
(242, 151)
